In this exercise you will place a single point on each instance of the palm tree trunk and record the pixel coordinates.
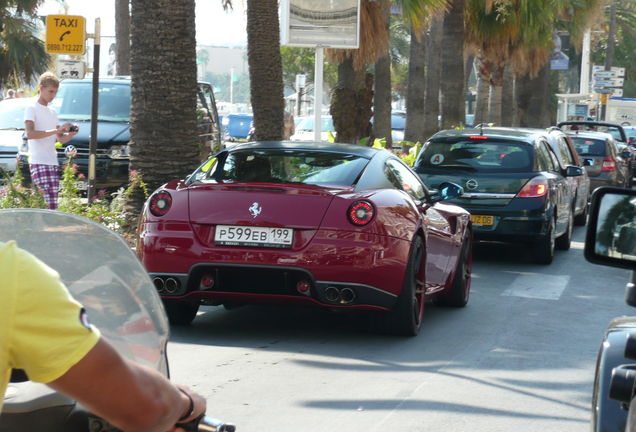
(122, 36)
(494, 105)
(483, 92)
(523, 93)
(507, 96)
(433, 75)
(453, 97)
(536, 116)
(164, 142)
(382, 100)
(494, 101)
(414, 130)
(266, 69)
(352, 94)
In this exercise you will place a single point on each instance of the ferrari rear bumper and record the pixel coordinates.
(216, 283)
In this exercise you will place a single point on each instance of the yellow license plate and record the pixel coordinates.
(482, 220)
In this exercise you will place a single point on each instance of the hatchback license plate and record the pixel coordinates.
(482, 219)
(231, 235)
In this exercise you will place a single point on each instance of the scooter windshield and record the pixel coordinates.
(101, 272)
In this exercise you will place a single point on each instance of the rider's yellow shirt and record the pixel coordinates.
(42, 329)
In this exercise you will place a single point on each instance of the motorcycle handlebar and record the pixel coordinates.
(205, 423)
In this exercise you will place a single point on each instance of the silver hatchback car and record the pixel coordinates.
(11, 131)
(602, 159)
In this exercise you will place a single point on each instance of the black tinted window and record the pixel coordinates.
(589, 146)
(476, 155)
(564, 150)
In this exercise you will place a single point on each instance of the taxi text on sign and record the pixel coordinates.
(65, 34)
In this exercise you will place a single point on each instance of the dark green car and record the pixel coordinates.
(514, 187)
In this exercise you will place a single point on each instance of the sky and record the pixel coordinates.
(213, 25)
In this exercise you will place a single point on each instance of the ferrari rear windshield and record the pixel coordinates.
(477, 156)
(290, 166)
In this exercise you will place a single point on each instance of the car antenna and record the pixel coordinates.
(481, 129)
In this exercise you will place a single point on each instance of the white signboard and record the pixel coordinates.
(620, 71)
(70, 69)
(320, 23)
(604, 74)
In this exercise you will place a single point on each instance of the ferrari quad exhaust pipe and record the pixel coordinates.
(159, 285)
(347, 295)
(332, 294)
(171, 286)
(339, 295)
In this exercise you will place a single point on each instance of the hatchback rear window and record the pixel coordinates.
(589, 147)
(482, 156)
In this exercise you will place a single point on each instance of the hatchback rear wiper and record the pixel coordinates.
(458, 166)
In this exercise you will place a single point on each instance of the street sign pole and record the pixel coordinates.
(90, 193)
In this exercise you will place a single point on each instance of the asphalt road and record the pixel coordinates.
(520, 357)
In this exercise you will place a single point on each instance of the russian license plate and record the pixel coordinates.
(231, 235)
(81, 185)
(482, 219)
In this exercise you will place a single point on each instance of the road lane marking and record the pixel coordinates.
(538, 286)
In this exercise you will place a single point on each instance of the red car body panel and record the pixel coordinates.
(327, 248)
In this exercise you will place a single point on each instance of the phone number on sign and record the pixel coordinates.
(65, 47)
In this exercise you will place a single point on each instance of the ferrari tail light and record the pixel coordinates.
(536, 187)
(160, 203)
(609, 164)
(360, 213)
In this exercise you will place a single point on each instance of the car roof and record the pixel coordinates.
(18, 101)
(520, 135)
(590, 135)
(359, 150)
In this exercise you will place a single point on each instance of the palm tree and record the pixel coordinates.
(452, 86)
(122, 36)
(353, 93)
(266, 70)
(23, 56)
(414, 130)
(164, 142)
(382, 100)
(433, 75)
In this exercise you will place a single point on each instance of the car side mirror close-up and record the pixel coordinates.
(573, 171)
(611, 231)
(446, 191)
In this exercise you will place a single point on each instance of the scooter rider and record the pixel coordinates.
(47, 334)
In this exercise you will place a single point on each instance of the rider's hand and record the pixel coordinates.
(199, 406)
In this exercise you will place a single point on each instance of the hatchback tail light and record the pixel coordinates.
(536, 187)
(160, 203)
(360, 213)
(609, 164)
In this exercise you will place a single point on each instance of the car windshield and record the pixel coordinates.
(12, 115)
(630, 132)
(307, 124)
(286, 166)
(588, 146)
(481, 156)
(73, 101)
(612, 130)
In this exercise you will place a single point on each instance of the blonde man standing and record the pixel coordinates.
(43, 131)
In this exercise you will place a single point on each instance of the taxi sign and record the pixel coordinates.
(65, 34)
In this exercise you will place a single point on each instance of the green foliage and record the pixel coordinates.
(240, 89)
(409, 158)
(108, 212)
(14, 195)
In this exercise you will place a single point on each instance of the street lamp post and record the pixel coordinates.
(232, 85)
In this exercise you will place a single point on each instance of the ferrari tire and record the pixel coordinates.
(180, 312)
(564, 240)
(543, 250)
(581, 219)
(460, 288)
(406, 317)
